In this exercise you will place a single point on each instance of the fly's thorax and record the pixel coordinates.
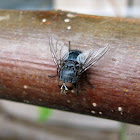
(68, 72)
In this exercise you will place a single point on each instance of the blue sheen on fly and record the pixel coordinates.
(73, 55)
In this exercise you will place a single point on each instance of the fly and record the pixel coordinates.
(71, 64)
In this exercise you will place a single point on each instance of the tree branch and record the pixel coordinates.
(26, 62)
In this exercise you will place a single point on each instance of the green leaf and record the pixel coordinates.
(123, 132)
(44, 114)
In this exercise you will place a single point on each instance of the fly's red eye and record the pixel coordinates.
(60, 83)
(69, 85)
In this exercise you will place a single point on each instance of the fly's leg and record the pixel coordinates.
(53, 76)
(88, 81)
(69, 45)
(76, 87)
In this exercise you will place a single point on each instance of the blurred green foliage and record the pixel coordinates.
(44, 114)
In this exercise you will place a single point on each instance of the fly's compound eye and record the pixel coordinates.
(69, 85)
(60, 83)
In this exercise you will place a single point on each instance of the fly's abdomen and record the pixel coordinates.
(73, 56)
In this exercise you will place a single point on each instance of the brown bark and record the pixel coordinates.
(26, 62)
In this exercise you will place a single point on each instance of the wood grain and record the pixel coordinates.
(26, 62)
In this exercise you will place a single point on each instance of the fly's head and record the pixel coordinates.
(65, 87)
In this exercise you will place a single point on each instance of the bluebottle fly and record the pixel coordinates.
(71, 64)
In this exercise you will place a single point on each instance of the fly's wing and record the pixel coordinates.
(89, 58)
(59, 51)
